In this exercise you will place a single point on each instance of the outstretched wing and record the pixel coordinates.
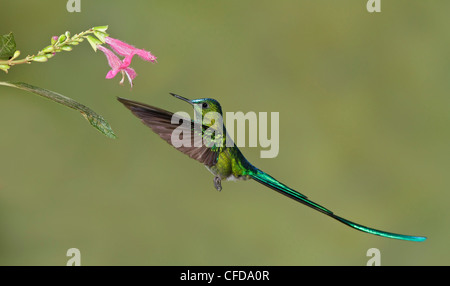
(160, 121)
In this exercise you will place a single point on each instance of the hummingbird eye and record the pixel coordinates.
(205, 105)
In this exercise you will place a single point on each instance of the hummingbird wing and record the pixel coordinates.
(274, 184)
(160, 121)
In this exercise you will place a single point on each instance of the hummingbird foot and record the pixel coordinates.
(218, 183)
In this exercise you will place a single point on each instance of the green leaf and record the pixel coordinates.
(100, 35)
(94, 119)
(4, 68)
(93, 41)
(101, 28)
(7, 46)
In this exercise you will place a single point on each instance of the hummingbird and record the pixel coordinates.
(224, 160)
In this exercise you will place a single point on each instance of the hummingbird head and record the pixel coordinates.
(202, 105)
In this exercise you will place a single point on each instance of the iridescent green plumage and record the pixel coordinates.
(224, 160)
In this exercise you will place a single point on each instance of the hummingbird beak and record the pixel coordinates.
(180, 97)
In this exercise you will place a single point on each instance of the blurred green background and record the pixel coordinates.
(364, 130)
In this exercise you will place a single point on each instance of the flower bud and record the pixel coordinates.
(61, 38)
(67, 34)
(39, 59)
(54, 40)
(48, 49)
(66, 48)
(16, 54)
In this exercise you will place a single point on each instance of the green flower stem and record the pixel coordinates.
(63, 43)
(25, 60)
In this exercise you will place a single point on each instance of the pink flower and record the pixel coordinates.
(128, 51)
(117, 66)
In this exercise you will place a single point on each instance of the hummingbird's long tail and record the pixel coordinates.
(272, 183)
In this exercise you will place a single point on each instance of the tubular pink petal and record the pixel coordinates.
(146, 55)
(112, 73)
(120, 47)
(131, 73)
(113, 61)
(128, 51)
(126, 62)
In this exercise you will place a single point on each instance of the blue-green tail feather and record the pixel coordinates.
(272, 183)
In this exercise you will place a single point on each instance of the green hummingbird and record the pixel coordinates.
(225, 161)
